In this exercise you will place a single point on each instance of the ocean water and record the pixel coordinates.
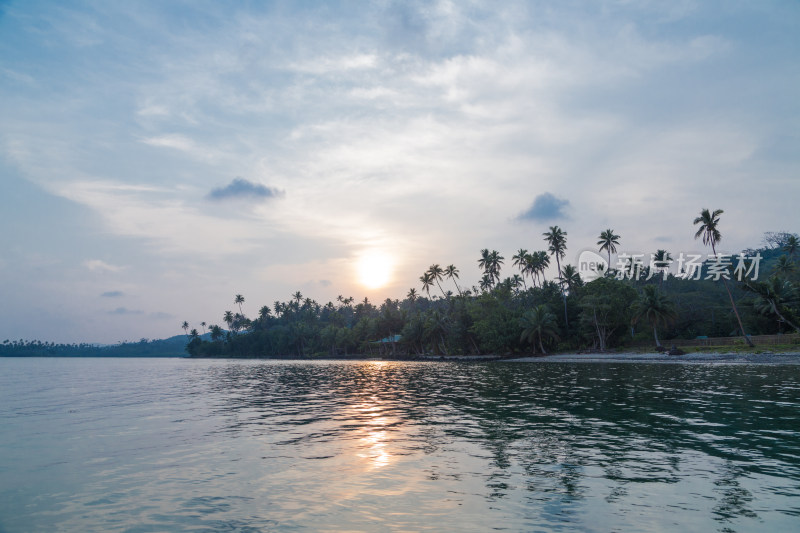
(146, 445)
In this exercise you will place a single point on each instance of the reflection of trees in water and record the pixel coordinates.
(734, 500)
(545, 422)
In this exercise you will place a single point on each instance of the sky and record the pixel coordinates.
(158, 158)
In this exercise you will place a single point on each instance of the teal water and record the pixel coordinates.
(198, 445)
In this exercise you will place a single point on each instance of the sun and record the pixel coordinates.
(374, 269)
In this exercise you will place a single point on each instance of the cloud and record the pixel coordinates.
(96, 265)
(545, 207)
(124, 311)
(242, 189)
(112, 294)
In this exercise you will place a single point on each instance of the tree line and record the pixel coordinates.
(525, 312)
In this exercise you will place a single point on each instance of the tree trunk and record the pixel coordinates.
(733, 304)
(655, 334)
(783, 318)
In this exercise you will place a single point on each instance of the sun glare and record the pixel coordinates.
(374, 269)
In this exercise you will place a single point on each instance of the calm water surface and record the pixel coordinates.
(186, 445)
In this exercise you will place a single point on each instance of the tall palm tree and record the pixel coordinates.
(484, 261)
(539, 263)
(496, 261)
(298, 297)
(708, 229)
(491, 262)
(452, 273)
(557, 240)
(427, 282)
(228, 318)
(521, 261)
(412, 294)
(608, 241)
(203, 325)
(185, 327)
(654, 307)
(239, 300)
(538, 323)
(437, 273)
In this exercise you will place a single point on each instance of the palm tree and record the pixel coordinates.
(452, 273)
(521, 261)
(485, 283)
(538, 262)
(516, 281)
(216, 332)
(484, 261)
(792, 246)
(185, 327)
(572, 279)
(538, 323)
(709, 231)
(661, 261)
(203, 324)
(608, 241)
(412, 294)
(557, 239)
(496, 261)
(228, 318)
(437, 274)
(264, 312)
(297, 297)
(427, 282)
(490, 262)
(654, 307)
(239, 300)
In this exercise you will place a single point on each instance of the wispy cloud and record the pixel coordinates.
(112, 294)
(125, 311)
(241, 188)
(545, 207)
(97, 265)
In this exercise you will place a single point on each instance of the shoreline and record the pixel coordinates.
(657, 357)
(792, 357)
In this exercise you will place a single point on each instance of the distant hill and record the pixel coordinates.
(170, 347)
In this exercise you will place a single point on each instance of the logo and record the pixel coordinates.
(591, 265)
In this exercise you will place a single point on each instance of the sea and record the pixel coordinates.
(146, 445)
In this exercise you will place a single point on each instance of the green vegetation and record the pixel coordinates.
(636, 306)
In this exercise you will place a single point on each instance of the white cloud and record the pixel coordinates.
(97, 265)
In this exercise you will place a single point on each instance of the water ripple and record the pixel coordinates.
(143, 445)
